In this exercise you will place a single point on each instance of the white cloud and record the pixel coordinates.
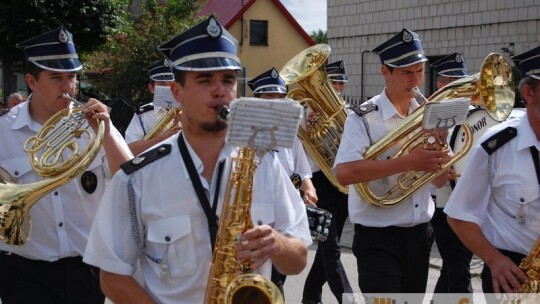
(310, 14)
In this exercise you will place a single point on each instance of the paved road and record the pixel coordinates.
(295, 284)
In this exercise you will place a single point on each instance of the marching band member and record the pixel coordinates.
(494, 208)
(49, 267)
(327, 266)
(147, 116)
(174, 232)
(269, 85)
(391, 245)
(455, 276)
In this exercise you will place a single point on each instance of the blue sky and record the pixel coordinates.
(310, 14)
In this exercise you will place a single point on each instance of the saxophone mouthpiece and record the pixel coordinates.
(223, 113)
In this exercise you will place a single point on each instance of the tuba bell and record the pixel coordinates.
(491, 88)
(320, 137)
(53, 155)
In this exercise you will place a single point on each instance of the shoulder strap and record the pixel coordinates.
(365, 108)
(145, 158)
(499, 139)
(144, 108)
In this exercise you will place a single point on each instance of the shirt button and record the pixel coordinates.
(415, 205)
(521, 199)
(60, 224)
(55, 192)
(16, 173)
(167, 239)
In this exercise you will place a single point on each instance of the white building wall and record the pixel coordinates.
(473, 28)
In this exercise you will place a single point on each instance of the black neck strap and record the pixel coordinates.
(210, 211)
(534, 154)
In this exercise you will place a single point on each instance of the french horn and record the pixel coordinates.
(53, 155)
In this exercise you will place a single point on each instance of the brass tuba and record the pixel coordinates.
(322, 136)
(52, 155)
(492, 87)
(230, 280)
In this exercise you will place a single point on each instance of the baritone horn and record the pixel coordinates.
(53, 155)
(320, 137)
(491, 88)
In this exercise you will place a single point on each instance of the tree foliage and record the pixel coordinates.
(319, 36)
(90, 21)
(116, 70)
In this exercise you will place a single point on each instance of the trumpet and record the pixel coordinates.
(54, 155)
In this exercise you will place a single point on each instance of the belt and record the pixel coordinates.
(9, 254)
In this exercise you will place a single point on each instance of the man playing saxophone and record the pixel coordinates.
(391, 245)
(154, 197)
(494, 209)
(48, 268)
(146, 116)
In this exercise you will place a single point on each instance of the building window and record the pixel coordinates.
(258, 34)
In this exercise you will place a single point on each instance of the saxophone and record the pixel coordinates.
(231, 281)
(531, 266)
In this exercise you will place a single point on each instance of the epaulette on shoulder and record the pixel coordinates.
(363, 109)
(145, 158)
(144, 108)
(499, 139)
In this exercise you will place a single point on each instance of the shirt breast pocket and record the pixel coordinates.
(171, 241)
(520, 199)
(263, 214)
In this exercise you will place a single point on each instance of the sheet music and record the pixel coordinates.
(445, 114)
(163, 97)
(263, 123)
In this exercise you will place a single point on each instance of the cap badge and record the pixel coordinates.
(213, 29)
(274, 74)
(407, 37)
(63, 36)
(166, 63)
(458, 58)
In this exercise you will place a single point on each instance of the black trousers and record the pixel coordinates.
(455, 274)
(487, 281)
(327, 266)
(67, 280)
(392, 259)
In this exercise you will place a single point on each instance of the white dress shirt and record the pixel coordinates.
(146, 120)
(294, 160)
(514, 187)
(61, 219)
(174, 225)
(419, 207)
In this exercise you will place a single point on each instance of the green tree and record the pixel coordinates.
(117, 68)
(319, 36)
(90, 21)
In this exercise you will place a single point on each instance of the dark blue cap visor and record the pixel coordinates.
(455, 73)
(209, 64)
(59, 65)
(162, 77)
(339, 78)
(272, 89)
(407, 61)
